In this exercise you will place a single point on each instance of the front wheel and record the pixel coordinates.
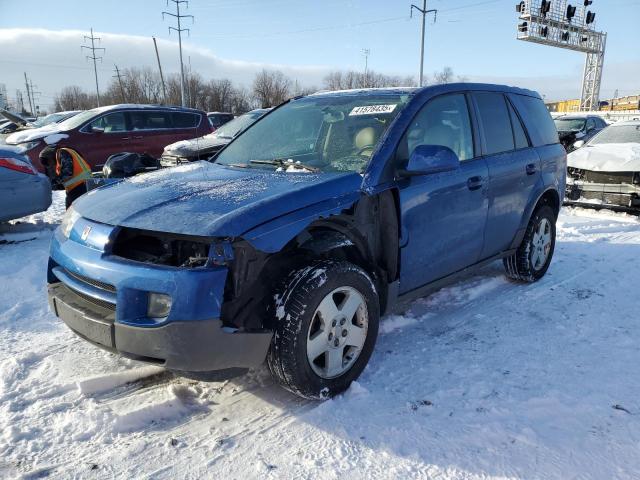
(533, 257)
(326, 324)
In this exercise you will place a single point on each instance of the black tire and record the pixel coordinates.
(293, 309)
(520, 266)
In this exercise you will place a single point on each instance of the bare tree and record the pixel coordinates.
(339, 80)
(271, 87)
(74, 98)
(444, 76)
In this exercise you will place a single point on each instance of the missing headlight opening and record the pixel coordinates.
(161, 249)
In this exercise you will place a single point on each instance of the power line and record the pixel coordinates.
(93, 49)
(179, 29)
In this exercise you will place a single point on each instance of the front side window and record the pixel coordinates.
(327, 133)
(112, 122)
(496, 124)
(442, 121)
(591, 124)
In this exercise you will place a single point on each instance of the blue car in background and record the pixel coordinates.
(329, 211)
(23, 190)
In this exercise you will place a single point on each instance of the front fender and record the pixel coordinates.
(272, 236)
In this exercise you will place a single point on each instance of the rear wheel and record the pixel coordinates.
(326, 318)
(533, 257)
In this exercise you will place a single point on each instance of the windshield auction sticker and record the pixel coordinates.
(372, 110)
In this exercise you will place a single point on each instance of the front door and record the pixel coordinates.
(443, 215)
(102, 138)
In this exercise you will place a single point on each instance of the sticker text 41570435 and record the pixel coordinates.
(371, 110)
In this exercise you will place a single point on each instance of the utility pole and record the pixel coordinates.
(179, 18)
(424, 13)
(366, 52)
(119, 76)
(93, 57)
(33, 97)
(26, 84)
(164, 88)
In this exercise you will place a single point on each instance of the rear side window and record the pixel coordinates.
(185, 120)
(150, 120)
(537, 119)
(496, 123)
(519, 137)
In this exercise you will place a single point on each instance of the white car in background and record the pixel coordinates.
(605, 171)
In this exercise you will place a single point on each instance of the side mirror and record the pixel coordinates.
(428, 159)
(578, 144)
(96, 130)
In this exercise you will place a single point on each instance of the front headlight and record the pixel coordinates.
(68, 221)
(26, 146)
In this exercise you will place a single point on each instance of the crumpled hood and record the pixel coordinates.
(31, 134)
(609, 157)
(190, 147)
(206, 199)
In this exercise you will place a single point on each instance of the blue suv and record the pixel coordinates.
(290, 244)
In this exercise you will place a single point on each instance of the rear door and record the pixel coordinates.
(514, 169)
(151, 131)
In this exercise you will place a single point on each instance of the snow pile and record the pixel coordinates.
(483, 379)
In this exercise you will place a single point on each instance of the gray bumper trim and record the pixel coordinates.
(192, 346)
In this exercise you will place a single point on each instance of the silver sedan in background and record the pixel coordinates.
(23, 190)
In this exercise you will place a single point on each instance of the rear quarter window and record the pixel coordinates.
(537, 119)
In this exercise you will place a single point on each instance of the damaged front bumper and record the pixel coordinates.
(622, 196)
(104, 298)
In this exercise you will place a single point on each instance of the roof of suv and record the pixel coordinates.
(139, 106)
(444, 87)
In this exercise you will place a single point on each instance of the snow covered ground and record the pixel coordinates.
(483, 379)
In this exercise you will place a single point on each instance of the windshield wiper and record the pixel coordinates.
(281, 162)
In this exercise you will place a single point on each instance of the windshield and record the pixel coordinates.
(569, 124)
(235, 126)
(51, 118)
(617, 134)
(79, 119)
(318, 133)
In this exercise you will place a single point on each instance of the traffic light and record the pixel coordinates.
(545, 6)
(587, 2)
(564, 37)
(571, 12)
(544, 31)
(590, 18)
(520, 7)
(523, 27)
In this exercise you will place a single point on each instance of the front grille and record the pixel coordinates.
(611, 178)
(608, 177)
(90, 281)
(94, 301)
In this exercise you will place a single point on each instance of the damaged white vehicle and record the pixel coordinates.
(605, 171)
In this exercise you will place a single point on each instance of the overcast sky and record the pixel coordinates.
(305, 39)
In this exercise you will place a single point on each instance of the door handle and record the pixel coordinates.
(474, 183)
(137, 138)
(531, 169)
